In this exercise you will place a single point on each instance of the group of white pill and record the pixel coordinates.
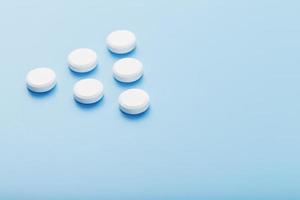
(88, 90)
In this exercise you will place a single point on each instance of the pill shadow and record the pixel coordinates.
(42, 95)
(126, 55)
(89, 106)
(136, 83)
(137, 117)
(84, 74)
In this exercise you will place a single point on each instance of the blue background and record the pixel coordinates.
(223, 77)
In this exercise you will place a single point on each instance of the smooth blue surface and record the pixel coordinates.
(224, 81)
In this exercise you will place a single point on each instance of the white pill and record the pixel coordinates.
(82, 60)
(128, 70)
(121, 41)
(134, 101)
(41, 79)
(88, 91)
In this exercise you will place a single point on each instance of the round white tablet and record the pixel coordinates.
(82, 60)
(134, 101)
(121, 41)
(88, 91)
(41, 79)
(128, 70)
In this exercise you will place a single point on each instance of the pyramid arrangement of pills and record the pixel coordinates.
(88, 90)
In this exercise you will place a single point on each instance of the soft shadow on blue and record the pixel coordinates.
(84, 74)
(126, 55)
(90, 106)
(42, 95)
(138, 117)
(136, 83)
